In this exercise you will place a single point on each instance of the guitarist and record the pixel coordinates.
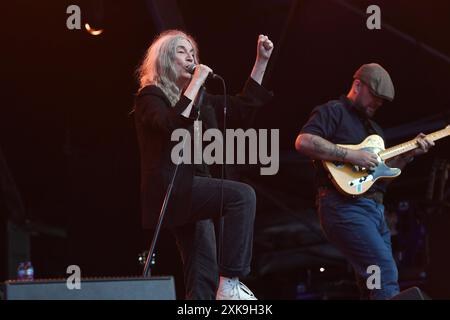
(356, 225)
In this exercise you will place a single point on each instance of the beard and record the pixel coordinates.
(363, 110)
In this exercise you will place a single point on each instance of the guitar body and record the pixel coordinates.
(350, 179)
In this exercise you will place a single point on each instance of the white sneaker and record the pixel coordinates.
(233, 289)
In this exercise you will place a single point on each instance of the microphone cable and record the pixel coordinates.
(220, 253)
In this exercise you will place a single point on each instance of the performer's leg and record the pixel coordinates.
(239, 204)
(357, 227)
(197, 245)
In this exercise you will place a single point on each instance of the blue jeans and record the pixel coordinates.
(357, 227)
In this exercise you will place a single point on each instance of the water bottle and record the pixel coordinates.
(29, 271)
(21, 271)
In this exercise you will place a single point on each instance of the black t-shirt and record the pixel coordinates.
(339, 122)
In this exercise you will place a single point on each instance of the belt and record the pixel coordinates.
(376, 196)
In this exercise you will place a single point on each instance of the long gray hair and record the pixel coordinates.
(157, 67)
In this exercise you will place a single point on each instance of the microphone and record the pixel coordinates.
(192, 67)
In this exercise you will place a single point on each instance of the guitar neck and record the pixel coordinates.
(412, 144)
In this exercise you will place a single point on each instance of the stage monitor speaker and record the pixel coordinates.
(413, 293)
(153, 288)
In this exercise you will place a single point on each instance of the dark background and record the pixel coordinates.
(71, 148)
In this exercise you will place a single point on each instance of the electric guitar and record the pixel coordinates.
(352, 180)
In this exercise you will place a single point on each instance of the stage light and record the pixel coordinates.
(322, 269)
(94, 16)
(94, 32)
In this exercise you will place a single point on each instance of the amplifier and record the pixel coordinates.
(139, 288)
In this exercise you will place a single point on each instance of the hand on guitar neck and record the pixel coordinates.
(424, 145)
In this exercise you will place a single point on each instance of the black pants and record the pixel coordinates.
(196, 240)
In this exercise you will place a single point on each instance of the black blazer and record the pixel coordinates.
(155, 119)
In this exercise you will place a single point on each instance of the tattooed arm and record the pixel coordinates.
(321, 149)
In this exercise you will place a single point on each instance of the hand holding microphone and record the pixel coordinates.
(201, 72)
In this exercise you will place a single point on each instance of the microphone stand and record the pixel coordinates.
(162, 213)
